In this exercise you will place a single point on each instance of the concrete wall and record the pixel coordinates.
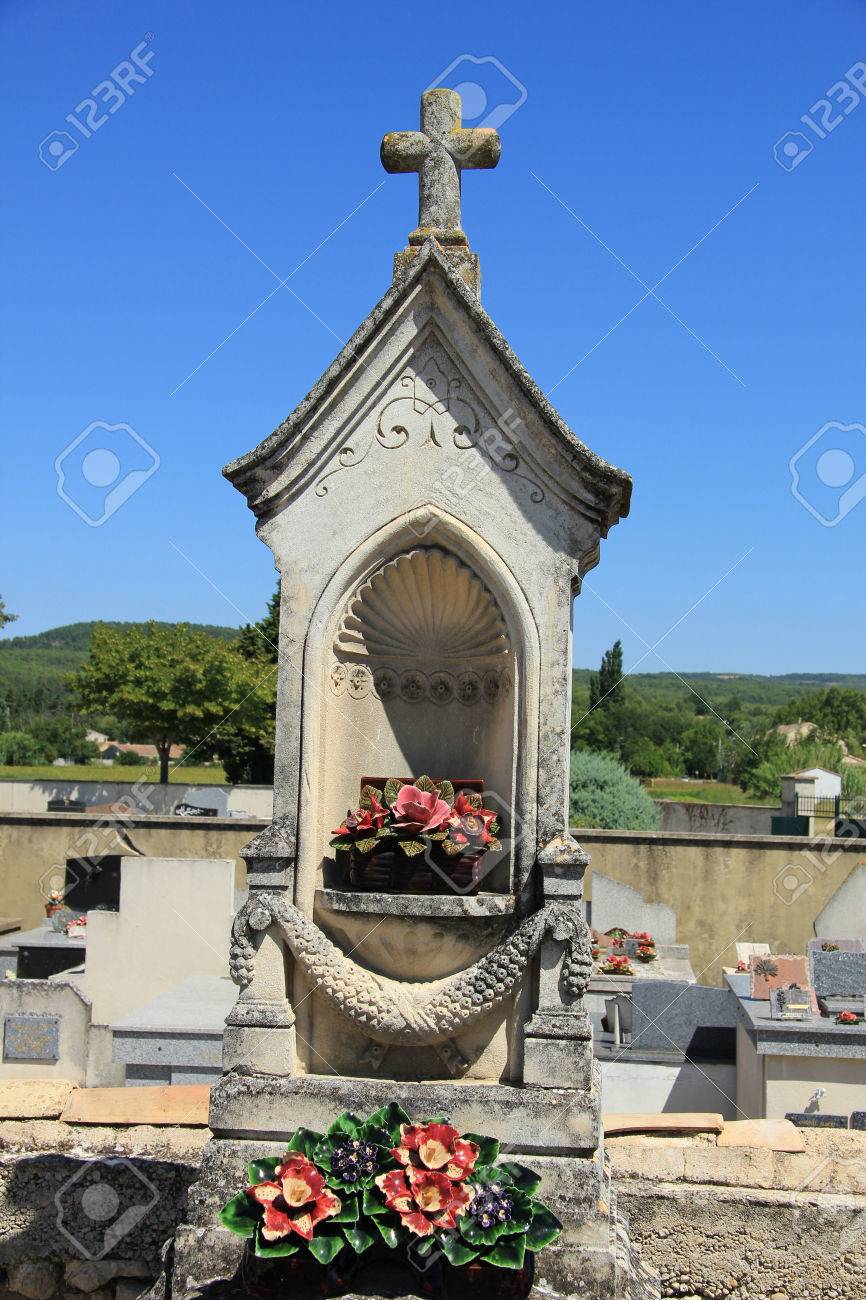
(150, 797)
(632, 1087)
(725, 888)
(714, 818)
(174, 921)
(34, 848)
(47, 998)
(789, 1082)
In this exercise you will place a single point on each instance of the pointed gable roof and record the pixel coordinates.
(254, 474)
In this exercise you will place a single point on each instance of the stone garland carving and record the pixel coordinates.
(415, 686)
(409, 1013)
(429, 406)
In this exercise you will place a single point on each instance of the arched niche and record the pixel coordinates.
(422, 657)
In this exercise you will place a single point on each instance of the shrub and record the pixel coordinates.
(603, 795)
(17, 748)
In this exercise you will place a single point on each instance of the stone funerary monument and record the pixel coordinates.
(431, 517)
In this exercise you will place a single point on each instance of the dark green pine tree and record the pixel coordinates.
(605, 686)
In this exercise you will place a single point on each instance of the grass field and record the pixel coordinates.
(178, 775)
(662, 787)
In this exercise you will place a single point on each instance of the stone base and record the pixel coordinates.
(528, 1118)
(555, 1131)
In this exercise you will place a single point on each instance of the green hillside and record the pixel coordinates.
(33, 669)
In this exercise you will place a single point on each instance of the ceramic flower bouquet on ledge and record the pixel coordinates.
(417, 836)
(384, 1183)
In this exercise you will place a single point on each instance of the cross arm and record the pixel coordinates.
(404, 151)
(478, 146)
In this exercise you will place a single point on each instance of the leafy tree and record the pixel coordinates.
(838, 713)
(18, 748)
(61, 737)
(5, 616)
(605, 687)
(703, 748)
(173, 685)
(248, 755)
(646, 758)
(603, 795)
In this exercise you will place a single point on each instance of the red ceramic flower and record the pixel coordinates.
(847, 1018)
(365, 819)
(295, 1201)
(424, 1199)
(438, 1147)
(416, 810)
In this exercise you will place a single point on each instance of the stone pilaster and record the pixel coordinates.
(558, 1039)
(260, 1034)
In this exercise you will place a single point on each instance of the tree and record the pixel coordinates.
(173, 685)
(5, 616)
(248, 756)
(605, 686)
(60, 737)
(603, 795)
(703, 747)
(18, 748)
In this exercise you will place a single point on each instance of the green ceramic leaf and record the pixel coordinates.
(263, 1170)
(367, 844)
(492, 844)
(368, 794)
(392, 789)
(527, 1180)
(544, 1229)
(508, 1252)
(350, 1211)
(358, 1239)
(391, 1233)
(275, 1249)
(424, 783)
(345, 1125)
(241, 1215)
(455, 1250)
(453, 850)
(305, 1141)
(411, 847)
(373, 1204)
(472, 1231)
(326, 1246)
(488, 1148)
(437, 836)
(388, 1119)
(446, 791)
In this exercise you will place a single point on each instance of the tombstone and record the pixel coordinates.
(431, 517)
(776, 972)
(683, 1017)
(792, 1003)
(839, 981)
(747, 950)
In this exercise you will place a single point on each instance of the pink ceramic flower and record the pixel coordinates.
(417, 810)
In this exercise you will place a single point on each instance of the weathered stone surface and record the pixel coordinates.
(34, 1098)
(34, 1279)
(91, 1274)
(776, 1134)
(535, 1119)
(184, 1104)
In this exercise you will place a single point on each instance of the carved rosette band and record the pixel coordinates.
(356, 681)
(408, 1013)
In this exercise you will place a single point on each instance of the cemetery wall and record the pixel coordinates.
(33, 796)
(33, 845)
(715, 818)
(747, 1222)
(724, 888)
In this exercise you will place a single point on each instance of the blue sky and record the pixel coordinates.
(644, 145)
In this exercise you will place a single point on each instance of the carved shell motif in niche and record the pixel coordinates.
(426, 603)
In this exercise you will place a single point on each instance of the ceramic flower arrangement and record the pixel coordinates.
(849, 1018)
(388, 1181)
(645, 953)
(415, 815)
(615, 965)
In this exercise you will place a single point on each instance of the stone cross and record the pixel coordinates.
(438, 153)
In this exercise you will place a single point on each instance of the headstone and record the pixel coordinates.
(31, 1038)
(747, 950)
(839, 980)
(834, 945)
(673, 1016)
(776, 972)
(816, 1120)
(434, 624)
(792, 1003)
(858, 1120)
